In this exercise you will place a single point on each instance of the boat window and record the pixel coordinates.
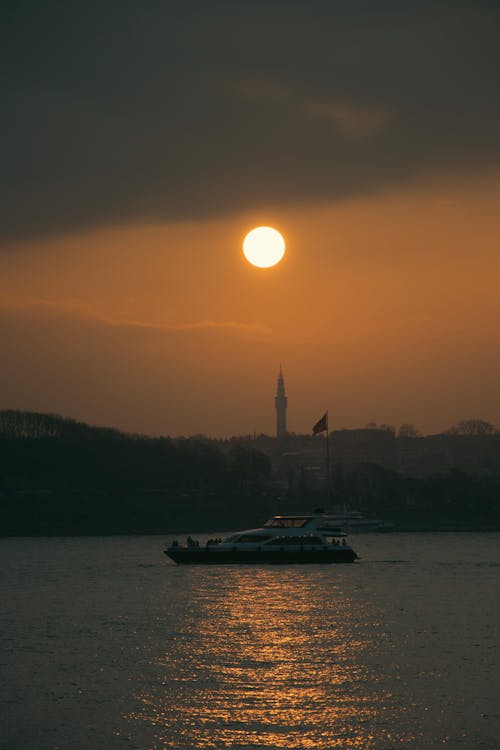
(275, 523)
(248, 538)
(287, 522)
(297, 540)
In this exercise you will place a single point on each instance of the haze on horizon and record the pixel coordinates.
(139, 147)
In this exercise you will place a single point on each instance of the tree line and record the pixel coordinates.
(58, 475)
(46, 447)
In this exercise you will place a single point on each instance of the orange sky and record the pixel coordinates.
(385, 309)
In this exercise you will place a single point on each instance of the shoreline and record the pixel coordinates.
(451, 529)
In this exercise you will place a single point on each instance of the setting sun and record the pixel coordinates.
(264, 247)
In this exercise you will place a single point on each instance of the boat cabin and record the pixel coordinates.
(288, 522)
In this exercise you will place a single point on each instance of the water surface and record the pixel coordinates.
(105, 644)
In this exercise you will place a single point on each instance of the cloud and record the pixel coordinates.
(85, 313)
(116, 114)
(350, 118)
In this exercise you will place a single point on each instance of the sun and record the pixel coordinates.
(264, 247)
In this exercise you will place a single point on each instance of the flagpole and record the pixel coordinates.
(320, 426)
(328, 488)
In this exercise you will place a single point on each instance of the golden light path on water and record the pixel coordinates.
(268, 658)
(105, 645)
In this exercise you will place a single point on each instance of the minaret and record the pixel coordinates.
(280, 402)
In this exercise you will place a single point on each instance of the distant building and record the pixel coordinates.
(280, 403)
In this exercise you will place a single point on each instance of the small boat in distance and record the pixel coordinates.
(354, 522)
(307, 538)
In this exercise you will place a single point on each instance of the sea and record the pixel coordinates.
(105, 643)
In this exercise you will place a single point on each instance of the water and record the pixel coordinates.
(106, 644)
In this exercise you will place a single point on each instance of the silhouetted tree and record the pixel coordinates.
(381, 427)
(472, 427)
(249, 464)
(408, 431)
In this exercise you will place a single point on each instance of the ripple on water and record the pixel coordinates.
(107, 645)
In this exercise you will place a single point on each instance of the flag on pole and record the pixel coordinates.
(321, 425)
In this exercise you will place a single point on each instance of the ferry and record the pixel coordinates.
(354, 522)
(308, 538)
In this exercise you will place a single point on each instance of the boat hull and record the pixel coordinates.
(211, 555)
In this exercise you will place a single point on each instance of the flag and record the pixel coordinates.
(321, 425)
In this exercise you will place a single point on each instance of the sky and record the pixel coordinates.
(140, 142)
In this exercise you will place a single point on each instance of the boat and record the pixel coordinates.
(354, 522)
(307, 538)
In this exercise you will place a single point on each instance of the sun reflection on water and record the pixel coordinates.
(266, 658)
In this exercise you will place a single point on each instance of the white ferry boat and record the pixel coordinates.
(354, 522)
(307, 538)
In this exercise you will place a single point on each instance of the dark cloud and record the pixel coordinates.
(116, 112)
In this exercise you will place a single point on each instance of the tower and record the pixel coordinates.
(280, 402)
